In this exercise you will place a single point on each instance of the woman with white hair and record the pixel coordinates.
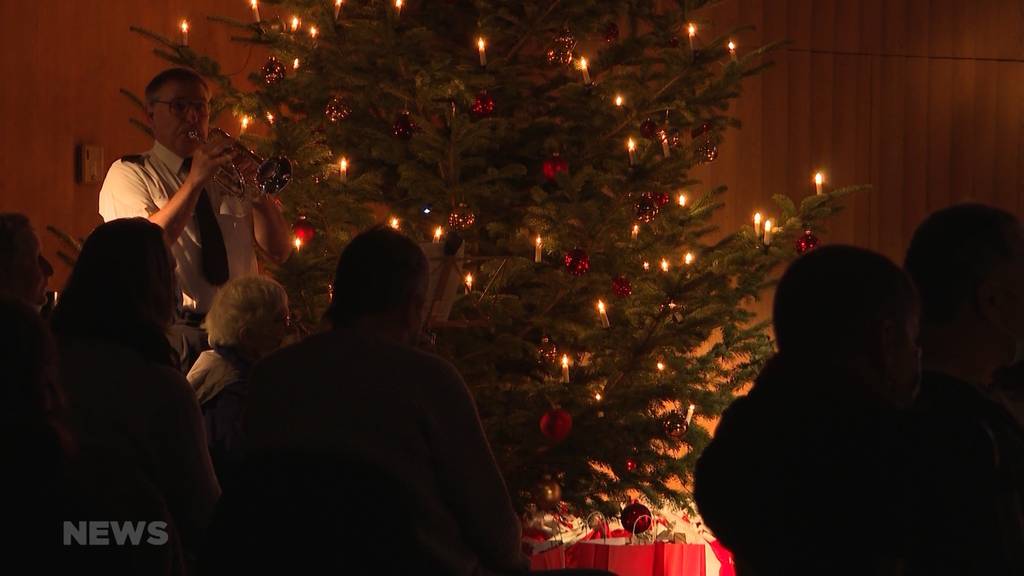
(247, 320)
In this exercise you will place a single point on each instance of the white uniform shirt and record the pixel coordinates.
(141, 185)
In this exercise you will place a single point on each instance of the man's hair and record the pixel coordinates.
(830, 303)
(242, 302)
(953, 252)
(12, 226)
(378, 272)
(180, 75)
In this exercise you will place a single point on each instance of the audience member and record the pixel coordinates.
(805, 474)
(23, 270)
(247, 320)
(362, 392)
(127, 400)
(968, 264)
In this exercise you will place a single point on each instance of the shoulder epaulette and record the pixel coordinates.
(139, 159)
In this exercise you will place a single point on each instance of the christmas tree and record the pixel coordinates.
(602, 310)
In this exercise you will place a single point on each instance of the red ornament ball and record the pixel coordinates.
(556, 424)
(553, 166)
(621, 287)
(336, 109)
(630, 465)
(461, 217)
(273, 71)
(662, 199)
(675, 424)
(303, 230)
(806, 242)
(403, 126)
(483, 105)
(649, 128)
(707, 151)
(547, 495)
(611, 32)
(577, 261)
(561, 48)
(547, 351)
(636, 518)
(646, 208)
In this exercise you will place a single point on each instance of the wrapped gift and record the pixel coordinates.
(657, 559)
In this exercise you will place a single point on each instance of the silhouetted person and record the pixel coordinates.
(805, 474)
(361, 390)
(247, 321)
(127, 399)
(968, 264)
(23, 269)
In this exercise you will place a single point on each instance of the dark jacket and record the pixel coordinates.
(805, 476)
(969, 468)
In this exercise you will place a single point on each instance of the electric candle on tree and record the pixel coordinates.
(604, 314)
(618, 100)
(691, 32)
(255, 6)
(585, 70)
(184, 32)
(757, 224)
(732, 50)
(636, 232)
(631, 150)
(537, 250)
(482, 48)
(565, 368)
(343, 168)
(468, 280)
(438, 233)
(819, 179)
(767, 232)
(244, 123)
(337, 8)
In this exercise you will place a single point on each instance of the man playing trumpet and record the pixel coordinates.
(210, 230)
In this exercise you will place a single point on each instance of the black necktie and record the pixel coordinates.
(215, 254)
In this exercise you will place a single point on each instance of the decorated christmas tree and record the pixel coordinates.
(547, 148)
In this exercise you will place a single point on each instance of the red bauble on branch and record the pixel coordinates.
(556, 424)
(547, 351)
(675, 424)
(554, 166)
(336, 109)
(636, 518)
(403, 126)
(483, 105)
(273, 71)
(621, 286)
(646, 207)
(806, 242)
(547, 494)
(577, 261)
(461, 217)
(662, 199)
(649, 128)
(561, 48)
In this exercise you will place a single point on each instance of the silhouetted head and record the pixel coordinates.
(121, 289)
(846, 307)
(381, 279)
(968, 264)
(23, 269)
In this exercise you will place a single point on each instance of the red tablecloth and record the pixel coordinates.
(658, 559)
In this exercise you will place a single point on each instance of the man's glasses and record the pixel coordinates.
(180, 106)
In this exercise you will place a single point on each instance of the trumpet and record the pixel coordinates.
(270, 176)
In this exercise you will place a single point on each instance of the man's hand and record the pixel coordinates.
(209, 158)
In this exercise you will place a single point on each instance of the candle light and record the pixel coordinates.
(184, 32)
(732, 50)
(398, 7)
(270, 118)
(565, 368)
(313, 32)
(438, 233)
(767, 232)
(688, 258)
(631, 149)
(394, 222)
(468, 280)
(660, 366)
(647, 265)
(682, 200)
(585, 70)
(636, 232)
(689, 413)
(295, 64)
(664, 265)
(343, 168)
(337, 8)
(819, 179)
(244, 123)
(757, 224)
(691, 31)
(298, 243)
(537, 250)
(255, 6)
(603, 313)
(618, 100)
(481, 46)
(295, 23)
(597, 396)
